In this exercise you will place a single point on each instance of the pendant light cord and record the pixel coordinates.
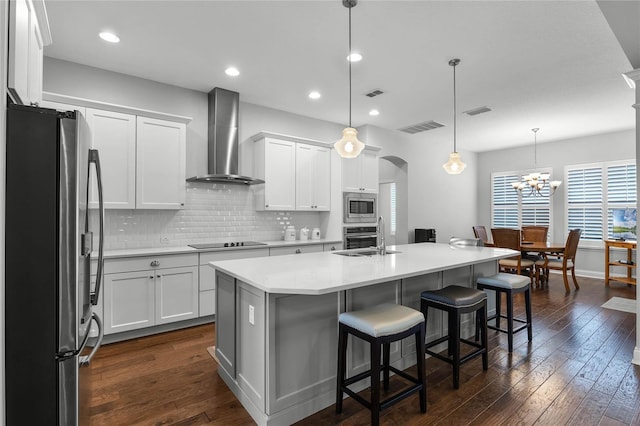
(349, 60)
(454, 108)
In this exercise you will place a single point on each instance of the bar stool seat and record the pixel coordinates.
(380, 326)
(457, 300)
(509, 284)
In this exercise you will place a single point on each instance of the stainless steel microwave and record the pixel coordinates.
(360, 207)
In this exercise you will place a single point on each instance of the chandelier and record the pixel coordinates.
(349, 146)
(536, 181)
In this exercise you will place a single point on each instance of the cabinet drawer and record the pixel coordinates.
(112, 266)
(279, 251)
(207, 257)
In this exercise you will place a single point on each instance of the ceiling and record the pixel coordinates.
(555, 65)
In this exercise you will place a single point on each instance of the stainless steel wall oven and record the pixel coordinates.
(359, 237)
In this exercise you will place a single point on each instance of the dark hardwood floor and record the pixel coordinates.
(576, 371)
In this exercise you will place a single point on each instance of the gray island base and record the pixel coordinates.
(277, 318)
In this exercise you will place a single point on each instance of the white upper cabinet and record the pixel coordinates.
(142, 160)
(296, 171)
(161, 162)
(113, 134)
(26, 45)
(275, 162)
(360, 174)
(313, 177)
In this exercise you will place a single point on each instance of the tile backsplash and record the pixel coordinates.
(212, 213)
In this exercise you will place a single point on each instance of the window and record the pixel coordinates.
(511, 209)
(593, 191)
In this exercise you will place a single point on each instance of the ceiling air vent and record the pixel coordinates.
(422, 127)
(477, 111)
(373, 93)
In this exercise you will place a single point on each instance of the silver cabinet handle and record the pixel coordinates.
(298, 251)
(151, 277)
(333, 248)
(155, 263)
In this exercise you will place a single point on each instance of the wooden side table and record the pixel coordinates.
(629, 264)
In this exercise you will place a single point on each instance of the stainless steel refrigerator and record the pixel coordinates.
(49, 243)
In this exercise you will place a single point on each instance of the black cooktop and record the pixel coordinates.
(228, 244)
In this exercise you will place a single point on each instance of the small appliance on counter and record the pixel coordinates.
(290, 233)
(304, 233)
(315, 234)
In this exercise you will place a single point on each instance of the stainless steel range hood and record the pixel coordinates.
(223, 140)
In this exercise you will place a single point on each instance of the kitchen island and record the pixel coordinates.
(277, 318)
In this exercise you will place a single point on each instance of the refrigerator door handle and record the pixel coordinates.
(94, 158)
(85, 360)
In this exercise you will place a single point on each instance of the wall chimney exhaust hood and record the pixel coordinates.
(223, 140)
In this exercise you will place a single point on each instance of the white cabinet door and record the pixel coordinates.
(161, 162)
(313, 178)
(280, 175)
(20, 17)
(36, 47)
(360, 174)
(305, 155)
(322, 179)
(114, 136)
(128, 301)
(176, 294)
(352, 174)
(369, 167)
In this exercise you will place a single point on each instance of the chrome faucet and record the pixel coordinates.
(382, 247)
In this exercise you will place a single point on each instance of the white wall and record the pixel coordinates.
(436, 199)
(557, 155)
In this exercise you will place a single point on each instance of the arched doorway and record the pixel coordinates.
(393, 199)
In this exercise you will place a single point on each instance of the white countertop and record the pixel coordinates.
(156, 251)
(327, 272)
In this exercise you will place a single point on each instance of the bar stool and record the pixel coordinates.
(509, 284)
(457, 300)
(380, 325)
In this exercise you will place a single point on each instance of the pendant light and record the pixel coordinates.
(536, 181)
(349, 146)
(454, 166)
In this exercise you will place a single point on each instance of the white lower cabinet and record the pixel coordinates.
(207, 275)
(139, 292)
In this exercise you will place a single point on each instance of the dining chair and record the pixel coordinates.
(565, 262)
(481, 232)
(535, 233)
(510, 238)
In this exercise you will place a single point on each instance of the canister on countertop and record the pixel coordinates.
(315, 234)
(304, 233)
(290, 233)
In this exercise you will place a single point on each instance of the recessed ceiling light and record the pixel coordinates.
(110, 37)
(374, 112)
(315, 95)
(232, 71)
(354, 57)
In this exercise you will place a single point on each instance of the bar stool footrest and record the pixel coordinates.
(515, 330)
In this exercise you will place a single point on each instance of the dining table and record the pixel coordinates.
(543, 248)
